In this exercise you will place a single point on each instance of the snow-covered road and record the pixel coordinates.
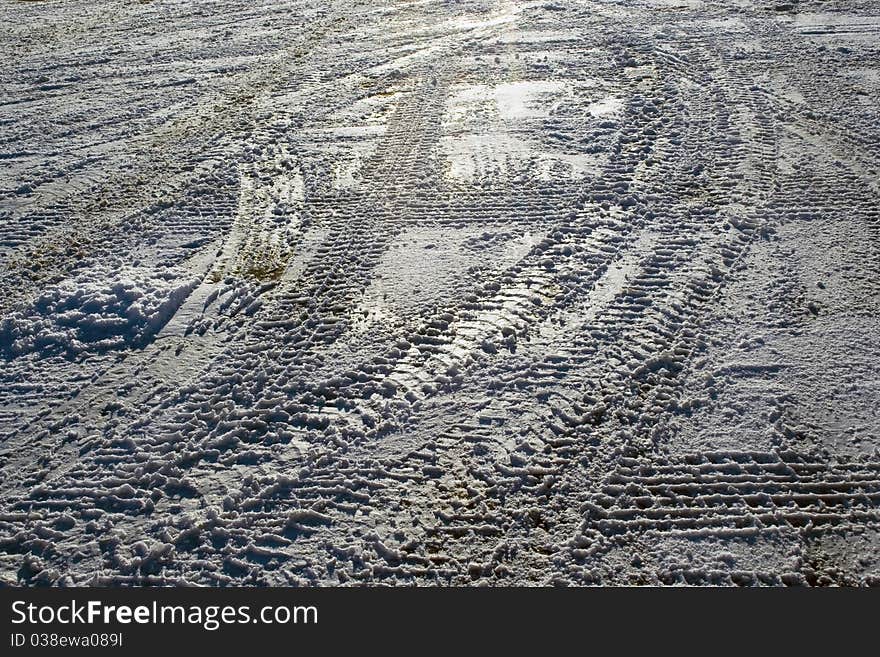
(434, 292)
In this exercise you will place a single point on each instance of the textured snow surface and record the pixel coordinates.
(101, 309)
(440, 293)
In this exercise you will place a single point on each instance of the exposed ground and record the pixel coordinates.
(480, 292)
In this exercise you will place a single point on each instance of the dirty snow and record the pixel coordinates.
(581, 292)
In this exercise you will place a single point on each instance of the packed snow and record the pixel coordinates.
(484, 292)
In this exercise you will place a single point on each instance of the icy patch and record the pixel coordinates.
(676, 4)
(509, 101)
(99, 311)
(517, 100)
(475, 157)
(607, 106)
(490, 131)
(505, 14)
(538, 36)
(423, 265)
(432, 263)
